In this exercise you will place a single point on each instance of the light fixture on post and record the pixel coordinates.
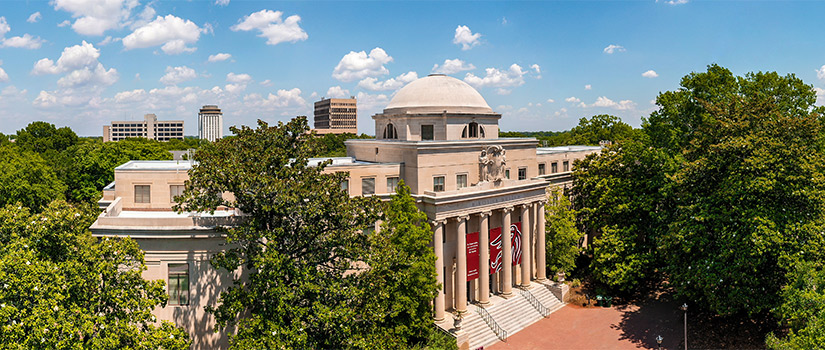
(684, 308)
(659, 341)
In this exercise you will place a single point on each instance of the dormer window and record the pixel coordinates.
(389, 132)
(471, 131)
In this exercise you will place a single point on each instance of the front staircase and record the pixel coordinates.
(512, 314)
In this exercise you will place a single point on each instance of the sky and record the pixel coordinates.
(541, 64)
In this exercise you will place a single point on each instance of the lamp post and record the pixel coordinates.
(684, 308)
(659, 341)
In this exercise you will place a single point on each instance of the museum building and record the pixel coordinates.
(484, 195)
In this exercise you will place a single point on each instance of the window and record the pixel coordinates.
(427, 132)
(554, 168)
(481, 129)
(461, 181)
(507, 173)
(542, 169)
(389, 132)
(367, 186)
(392, 183)
(438, 184)
(522, 173)
(566, 166)
(178, 284)
(345, 186)
(473, 129)
(175, 191)
(142, 194)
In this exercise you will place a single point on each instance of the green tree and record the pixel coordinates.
(621, 203)
(400, 281)
(332, 145)
(60, 288)
(41, 137)
(26, 178)
(802, 309)
(297, 246)
(91, 165)
(563, 237)
(598, 128)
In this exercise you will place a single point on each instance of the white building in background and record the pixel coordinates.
(150, 128)
(210, 123)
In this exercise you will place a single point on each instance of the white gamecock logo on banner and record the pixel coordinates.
(515, 231)
(495, 244)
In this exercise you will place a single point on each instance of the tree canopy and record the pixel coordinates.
(602, 127)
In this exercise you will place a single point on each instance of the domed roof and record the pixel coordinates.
(437, 93)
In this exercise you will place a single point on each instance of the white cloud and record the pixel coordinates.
(465, 37)
(588, 87)
(283, 99)
(367, 101)
(34, 17)
(219, 57)
(94, 17)
(177, 75)
(452, 66)
(95, 75)
(130, 96)
(172, 32)
(4, 27)
(64, 23)
(12, 92)
(676, 2)
(337, 92)
(3, 76)
(73, 57)
(820, 95)
(650, 74)
(502, 91)
(266, 83)
(24, 42)
(573, 99)
(108, 40)
(221, 2)
(373, 84)
(513, 76)
(359, 65)
(820, 73)
(605, 102)
(84, 81)
(610, 49)
(536, 68)
(272, 27)
(238, 78)
(45, 99)
(550, 100)
(561, 112)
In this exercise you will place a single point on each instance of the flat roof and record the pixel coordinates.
(172, 214)
(342, 161)
(563, 149)
(156, 165)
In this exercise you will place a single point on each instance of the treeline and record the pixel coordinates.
(602, 127)
(46, 163)
(721, 194)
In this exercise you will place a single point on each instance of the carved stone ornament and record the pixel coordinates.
(491, 164)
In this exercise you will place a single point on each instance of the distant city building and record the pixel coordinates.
(149, 128)
(210, 123)
(336, 116)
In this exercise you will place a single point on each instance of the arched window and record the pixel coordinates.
(389, 132)
(481, 129)
(473, 130)
(464, 133)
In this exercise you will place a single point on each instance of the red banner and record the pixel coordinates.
(515, 236)
(472, 256)
(496, 255)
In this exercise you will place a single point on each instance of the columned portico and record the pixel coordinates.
(507, 249)
(438, 245)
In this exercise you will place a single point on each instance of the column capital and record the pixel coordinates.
(437, 222)
(485, 213)
(462, 218)
(508, 209)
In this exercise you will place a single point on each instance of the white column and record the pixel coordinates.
(541, 244)
(438, 245)
(526, 258)
(461, 266)
(507, 246)
(484, 259)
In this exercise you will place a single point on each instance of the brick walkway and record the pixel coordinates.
(623, 327)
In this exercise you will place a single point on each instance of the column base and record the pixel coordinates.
(527, 286)
(507, 295)
(541, 280)
(483, 303)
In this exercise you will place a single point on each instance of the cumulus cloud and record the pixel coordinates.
(34, 17)
(337, 92)
(536, 68)
(368, 101)
(84, 80)
(359, 65)
(130, 96)
(820, 73)
(73, 57)
(4, 77)
(174, 33)
(266, 83)
(513, 76)
(465, 37)
(588, 87)
(94, 17)
(177, 75)
(219, 57)
(452, 66)
(221, 2)
(373, 84)
(605, 102)
(283, 99)
(676, 2)
(238, 78)
(272, 27)
(573, 99)
(610, 49)
(45, 99)
(650, 74)
(25, 42)
(550, 100)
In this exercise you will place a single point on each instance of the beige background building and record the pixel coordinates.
(150, 128)
(210, 123)
(481, 193)
(336, 116)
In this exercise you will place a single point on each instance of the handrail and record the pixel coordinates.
(535, 302)
(451, 335)
(501, 333)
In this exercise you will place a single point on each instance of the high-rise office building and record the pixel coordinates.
(150, 128)
(336, 116)
(210, 123)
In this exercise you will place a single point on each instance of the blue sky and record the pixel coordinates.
(541, 64)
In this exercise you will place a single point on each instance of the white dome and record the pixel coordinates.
(437, 93)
